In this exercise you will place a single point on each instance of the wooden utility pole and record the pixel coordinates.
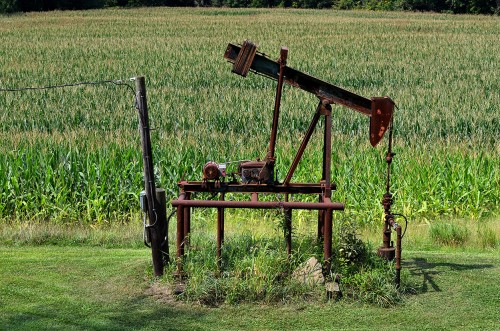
(156, 212)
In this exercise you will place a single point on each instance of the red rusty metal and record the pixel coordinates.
(292, 188)
(380, 119)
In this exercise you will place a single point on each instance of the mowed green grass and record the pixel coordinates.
(73, 155)
(92, 288)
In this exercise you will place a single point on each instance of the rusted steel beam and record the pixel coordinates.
(277, 102)
(321, 89)
(292, 188)
(327, 204)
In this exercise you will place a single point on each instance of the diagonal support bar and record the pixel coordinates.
(303, 145)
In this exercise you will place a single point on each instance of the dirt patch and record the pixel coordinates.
(163, 293)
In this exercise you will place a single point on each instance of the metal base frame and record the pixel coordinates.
(324, 205)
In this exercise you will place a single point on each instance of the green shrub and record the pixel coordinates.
(383, 4)
(349, 252)
(346, 4)
(374, 286)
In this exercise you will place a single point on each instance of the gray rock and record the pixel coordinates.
(309, 272)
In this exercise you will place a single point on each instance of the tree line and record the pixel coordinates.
(443, 6)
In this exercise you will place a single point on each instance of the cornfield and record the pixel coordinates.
(73, 154)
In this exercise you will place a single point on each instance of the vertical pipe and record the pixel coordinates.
(387, 250)
(277, 102)
(386, 236)
(327, 243)
(220, 233)
(328, 150)
(149, 182)
(321, 222)
(321, 213)
(180, 235)
(327, 227)
(187, 222)
(288, 228)
(398, 256)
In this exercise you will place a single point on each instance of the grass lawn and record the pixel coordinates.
(82, 288)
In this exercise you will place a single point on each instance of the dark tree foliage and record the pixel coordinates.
(44, 5)
(449, 6)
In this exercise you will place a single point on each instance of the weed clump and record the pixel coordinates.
(487, 238)
(365, 276)
(449, 234)
(257, 269)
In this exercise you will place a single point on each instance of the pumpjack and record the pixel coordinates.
(257, 177)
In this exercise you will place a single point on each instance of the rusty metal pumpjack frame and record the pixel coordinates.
(260, 174)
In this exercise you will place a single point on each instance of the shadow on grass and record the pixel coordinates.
(422, 268)
(136, 314)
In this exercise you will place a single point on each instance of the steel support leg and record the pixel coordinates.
(327, 153)
(220, 233)
(321, 221)
(288, 228)
(180, 238)
(327, 243)
(187, 223)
